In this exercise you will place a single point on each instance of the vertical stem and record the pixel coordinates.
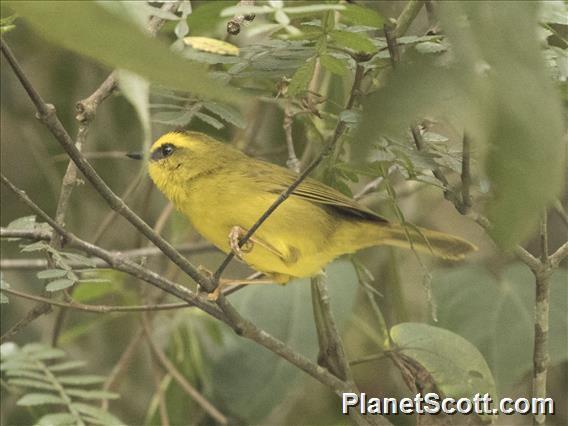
(332, 354)
(541, 322)
(466, 175)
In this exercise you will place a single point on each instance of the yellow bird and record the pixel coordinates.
(223, 192)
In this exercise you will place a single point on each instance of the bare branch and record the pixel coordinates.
(50, 119)
(97, 309)
(332, 353)
(118, 262)
(558, 256)
(339, 131)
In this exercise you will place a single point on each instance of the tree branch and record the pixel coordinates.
(339, 131)
(48, 116)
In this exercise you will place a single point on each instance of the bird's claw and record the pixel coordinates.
(235, 234)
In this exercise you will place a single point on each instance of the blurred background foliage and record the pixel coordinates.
(494, 71)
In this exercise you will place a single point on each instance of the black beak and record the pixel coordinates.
(135, 155)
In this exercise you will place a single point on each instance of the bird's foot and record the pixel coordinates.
(235, 235)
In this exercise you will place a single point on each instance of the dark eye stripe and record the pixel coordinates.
(163, 151)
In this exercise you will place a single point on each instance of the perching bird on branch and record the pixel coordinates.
(223, 193)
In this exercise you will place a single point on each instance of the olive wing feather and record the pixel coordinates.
(276, 179)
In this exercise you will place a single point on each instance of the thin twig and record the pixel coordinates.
(170, 368)
(293, 163)
(541, 357)
(98, 309)
(117, 262)
(332, 353)
(339, 130)
(466, 201)
(48, 116)
(558, 256)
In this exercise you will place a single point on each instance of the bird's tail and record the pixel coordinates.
(423, 240)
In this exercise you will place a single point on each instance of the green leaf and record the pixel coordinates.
(81, 380)
(301, 78)
(97, 413)
(209, 120)
(497, 315)
(38, 245)
(33, 399)
(334, 65)
(227, 113)
(57, 419)
(523, 159)
(25, 373)
(58, 285)
(359, 15)
(353, 41)
(23, 223)
(457, 367)
(65, 366)
(34, 384)
(313, 8)
(13, 364)
(92, 394)
(78, 258)
(51, 273)
(286, 313)
(89, 29)
(7, 24)
(4, 298)
(48, 353)
(136, 90)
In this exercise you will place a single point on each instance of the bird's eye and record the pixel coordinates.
(167, 150)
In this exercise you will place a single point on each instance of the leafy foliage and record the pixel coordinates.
(496, 314)
(89, 29)
(44, 376)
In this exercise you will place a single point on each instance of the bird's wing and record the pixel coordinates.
(276, 179)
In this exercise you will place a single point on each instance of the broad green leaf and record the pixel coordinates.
(97, 413)
(23, 223)
(92, 394)
(334, 65)
(457, 367)
(245, 10)
(497, 315)
(89, 29)
(57, 419)
(51, 273)
(313, 8)
(58, 285)
(206, 17)
(39, 245)
(353, 41)
(498, 92)
(227, 113)
(519, 114)
(286, 313)
(81, 380)
(65, 366)
(359, 15)
(33, 399)
(301, 78)
(136, 90)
